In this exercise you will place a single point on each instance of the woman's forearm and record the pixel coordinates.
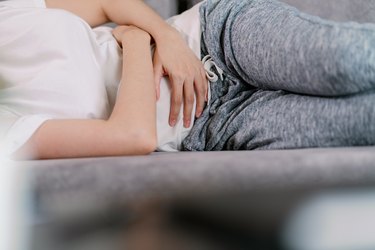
(172, 55)
(136, 12)
(131, 128)
(136, 102)
(121, 12)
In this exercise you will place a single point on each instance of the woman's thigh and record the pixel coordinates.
(281, 120)
(271, 45)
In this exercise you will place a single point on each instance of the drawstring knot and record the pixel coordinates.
(208, 64)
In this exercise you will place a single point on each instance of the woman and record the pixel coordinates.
(280, 79)
(60, 79)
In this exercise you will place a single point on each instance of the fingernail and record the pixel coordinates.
(187, 124)
(198, 114)
(173, 123)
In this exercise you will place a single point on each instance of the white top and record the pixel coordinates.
(55, 66)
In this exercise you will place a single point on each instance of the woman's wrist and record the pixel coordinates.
(166, 33)
(127, 35)
(131, 43)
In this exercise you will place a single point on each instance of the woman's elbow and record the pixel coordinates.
(142, 142)
(132, 140)
(146, 144)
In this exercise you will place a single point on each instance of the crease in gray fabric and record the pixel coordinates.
(292, 80)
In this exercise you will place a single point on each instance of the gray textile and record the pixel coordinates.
(166, 8)
(292, 80)
(339, 10)
(98, 182)
(233, 187)
(86, 190)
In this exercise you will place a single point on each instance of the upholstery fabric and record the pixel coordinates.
(99, 182)
(107, 181)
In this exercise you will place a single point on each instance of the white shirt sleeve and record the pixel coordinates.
(15, 131)
(48, 77)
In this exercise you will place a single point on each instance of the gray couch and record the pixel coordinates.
(76, 190)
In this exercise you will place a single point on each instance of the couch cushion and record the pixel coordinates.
(106, 181)
(96, 181)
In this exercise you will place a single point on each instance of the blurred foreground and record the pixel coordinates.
(304, 220)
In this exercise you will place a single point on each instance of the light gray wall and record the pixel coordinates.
(166, 8)
(340, 10)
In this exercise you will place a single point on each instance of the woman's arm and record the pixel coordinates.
(127, 131)
(129, 12)
(173, 57)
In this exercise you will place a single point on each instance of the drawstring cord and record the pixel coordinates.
(208, 63)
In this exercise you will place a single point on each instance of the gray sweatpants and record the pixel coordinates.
(291, 80)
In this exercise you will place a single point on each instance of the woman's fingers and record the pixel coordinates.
(158, 74)
(117, 34)
(201, 90)
(187, 78)
(185, 90)
(189, 99)
(176, 99)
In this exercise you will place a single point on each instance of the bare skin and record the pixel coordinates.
(127, 131)
(172, 56)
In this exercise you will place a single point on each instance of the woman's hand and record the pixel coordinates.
(128, 34)
(172, 57)
(175, 59)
